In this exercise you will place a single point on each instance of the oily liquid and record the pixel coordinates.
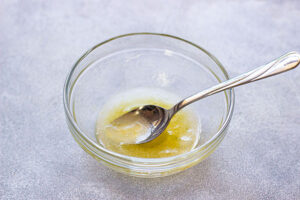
(181, 135)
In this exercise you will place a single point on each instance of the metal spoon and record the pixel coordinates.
(155, 119)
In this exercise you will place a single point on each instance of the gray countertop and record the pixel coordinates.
(39, 42)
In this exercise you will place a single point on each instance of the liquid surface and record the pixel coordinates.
(181, 135)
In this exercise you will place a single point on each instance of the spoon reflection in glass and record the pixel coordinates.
(145, 123)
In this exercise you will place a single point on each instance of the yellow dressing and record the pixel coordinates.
(181, 135)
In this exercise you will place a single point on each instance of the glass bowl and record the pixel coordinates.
(146, 60)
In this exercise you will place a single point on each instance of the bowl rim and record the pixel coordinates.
(69, 116)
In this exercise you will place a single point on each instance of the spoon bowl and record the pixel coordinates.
(145, 123)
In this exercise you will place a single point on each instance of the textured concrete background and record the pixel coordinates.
(39, 42)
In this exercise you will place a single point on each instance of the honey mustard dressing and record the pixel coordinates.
(181, 135)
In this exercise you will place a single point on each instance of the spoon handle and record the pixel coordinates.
(281, 64)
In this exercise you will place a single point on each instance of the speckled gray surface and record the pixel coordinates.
(39, 42)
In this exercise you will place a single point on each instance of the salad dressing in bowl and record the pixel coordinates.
(181, 135)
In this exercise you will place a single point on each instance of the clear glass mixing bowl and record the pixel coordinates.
(146, 60)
